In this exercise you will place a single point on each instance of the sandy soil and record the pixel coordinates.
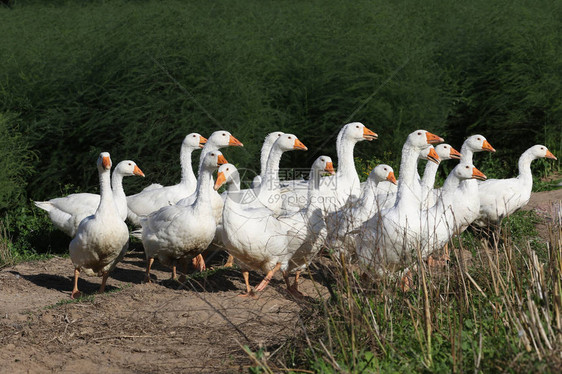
(147, 328)
(137, 327)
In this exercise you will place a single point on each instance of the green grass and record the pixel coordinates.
(483, 313)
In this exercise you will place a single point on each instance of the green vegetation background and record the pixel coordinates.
(134, 77)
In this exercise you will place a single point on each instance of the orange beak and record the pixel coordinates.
(138, 171)
(202, 140)
(487, 146)
(391, 178)
(298, 145)
(233, 142)
(220, 180)
(368, 134)
(455, 154)
(433, 156)
(106, 162)
(221, 160)
(433, 139)
(550, 155)
(477, 174)
(330, 168)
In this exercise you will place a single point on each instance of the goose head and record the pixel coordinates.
(478, 143)
(430, 154)
(213, 160)
(272, 137)
(323, 164)
(422, 139)
(128, 168)
(540, 151)
(193, 141)
(227, 174)
(222, 139)
(446, 152)
(358, 132)
(381, 173)
(104, 161)
(289, 142)
(466, 170)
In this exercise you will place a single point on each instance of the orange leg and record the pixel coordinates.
(174, 272)
(406, 283)
(268, 277)
(149, 263)
(249, 292)
(293, 288)
(199, 262)
(103, 280)
(75, 293)
(229, 262)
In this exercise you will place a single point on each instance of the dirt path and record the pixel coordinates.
(140, 328)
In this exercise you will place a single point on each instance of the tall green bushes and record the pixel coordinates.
(133, 78)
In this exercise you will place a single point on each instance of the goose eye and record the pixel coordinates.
(290, 137)
(542, 147)
(419, 133)
(227, 169)
(467, 167)
(478, 139)
(223, 134)
(357, 126)
(194, 136)
(385, 169)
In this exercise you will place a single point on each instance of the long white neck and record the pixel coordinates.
(107, 205)
(450, 186)
(408, 166)
(265, 150)
(466, 153)
(117, 185)
(187, 175)
(270, 179)
(429, 174)
(346, 164)
(204, 189)
(525, 166)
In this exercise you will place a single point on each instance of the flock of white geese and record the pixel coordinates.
(282, 225)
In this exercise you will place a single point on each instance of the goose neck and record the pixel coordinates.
(106, 194)
(466, 153)
(524, 165)
(271, 178)
(187, 175)
(204, 188)
(346, 164)
(429, 174)
(117, 184)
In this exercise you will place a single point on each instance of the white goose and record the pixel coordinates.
(174, 233)
(390, 235)
(429, 194)
(154, 198)
(264, 155)
(261, 241)
(440, 221)
(343, 221)
(345, 183)
(217, 140)
(469, 210)
(102, 238)
(67, 212)
(269, 192)
(501, 197)
(386, 199)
